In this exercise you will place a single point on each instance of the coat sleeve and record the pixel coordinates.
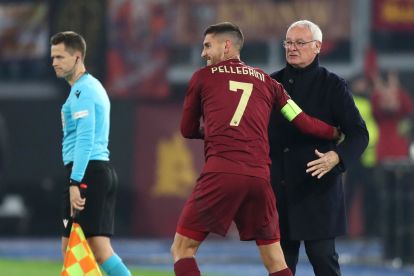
(192, 111)
(351, 124)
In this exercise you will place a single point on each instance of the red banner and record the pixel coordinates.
(166, 169)
(394, 15)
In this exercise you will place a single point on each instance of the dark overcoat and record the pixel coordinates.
(311, 208)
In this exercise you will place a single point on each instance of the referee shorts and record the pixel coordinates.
(97, 219)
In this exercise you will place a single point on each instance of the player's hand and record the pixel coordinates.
(321, 166)
(76, 201)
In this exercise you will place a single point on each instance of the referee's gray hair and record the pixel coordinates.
(315, 30)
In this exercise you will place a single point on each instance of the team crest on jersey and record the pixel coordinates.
(77, 93)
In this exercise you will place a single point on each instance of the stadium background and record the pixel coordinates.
(145, 51)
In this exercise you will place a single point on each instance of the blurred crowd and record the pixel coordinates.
(387, 108)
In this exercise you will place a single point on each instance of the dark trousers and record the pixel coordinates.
(321, 253)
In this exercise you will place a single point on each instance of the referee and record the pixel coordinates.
(85, 121)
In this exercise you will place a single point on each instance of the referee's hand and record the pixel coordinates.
(76, 201)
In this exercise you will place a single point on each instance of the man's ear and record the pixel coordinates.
(318, 47)
(227, 45)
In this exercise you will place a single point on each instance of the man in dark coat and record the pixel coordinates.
(307, 171)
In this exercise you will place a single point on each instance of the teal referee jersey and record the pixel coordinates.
(85, 121)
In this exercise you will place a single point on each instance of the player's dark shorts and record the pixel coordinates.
(97, 219)
(220, 198)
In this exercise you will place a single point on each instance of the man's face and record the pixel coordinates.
(298, 54)
(213, 49)
(62, 61)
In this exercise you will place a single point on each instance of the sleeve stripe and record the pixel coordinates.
(290, 110)
(80, 114)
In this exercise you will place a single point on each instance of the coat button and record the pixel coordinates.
(291, 81)
(286, 150)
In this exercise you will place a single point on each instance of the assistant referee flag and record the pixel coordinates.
(79, 258)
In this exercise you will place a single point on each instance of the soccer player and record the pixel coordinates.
(234, 101)
(85, 120)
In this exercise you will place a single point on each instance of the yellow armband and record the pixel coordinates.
(290, 110)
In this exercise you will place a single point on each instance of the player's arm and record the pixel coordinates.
(307, 124)
(192, 112)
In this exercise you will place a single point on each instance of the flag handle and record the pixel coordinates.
(82, 189)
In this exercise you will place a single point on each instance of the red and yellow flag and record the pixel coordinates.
(79, 259)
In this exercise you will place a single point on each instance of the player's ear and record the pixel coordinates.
(227, 45)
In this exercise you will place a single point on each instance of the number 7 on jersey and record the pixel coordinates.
(247, 89)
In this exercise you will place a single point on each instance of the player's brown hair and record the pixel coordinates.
(227, 28)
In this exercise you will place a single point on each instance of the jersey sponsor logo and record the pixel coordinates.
(65, 222)
(80, 114)
(77, 93)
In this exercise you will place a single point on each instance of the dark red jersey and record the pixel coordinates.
(234, 101)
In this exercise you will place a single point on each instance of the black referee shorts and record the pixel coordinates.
(97, 219)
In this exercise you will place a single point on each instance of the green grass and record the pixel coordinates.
(45, 268)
